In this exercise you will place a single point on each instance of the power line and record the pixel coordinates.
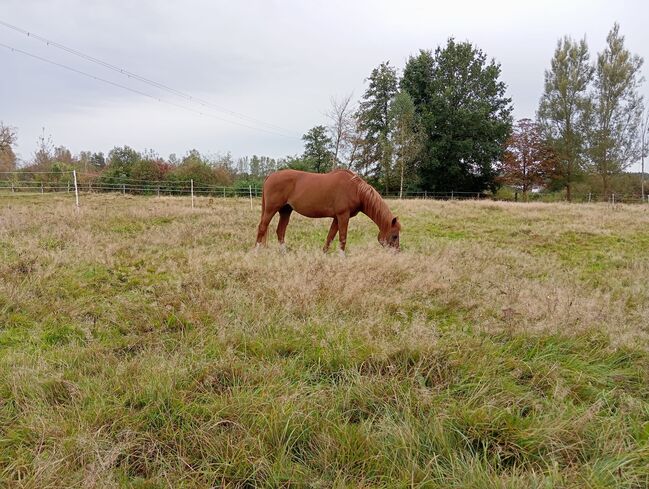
(142, 79)
(139, 92)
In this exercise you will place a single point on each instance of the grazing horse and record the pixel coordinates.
(339, 194)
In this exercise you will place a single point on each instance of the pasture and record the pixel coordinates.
(143, 344)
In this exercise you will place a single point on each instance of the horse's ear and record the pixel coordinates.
(395, 219)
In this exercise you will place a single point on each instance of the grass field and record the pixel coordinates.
(142, 344)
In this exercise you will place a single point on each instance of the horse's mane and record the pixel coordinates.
(373, 204)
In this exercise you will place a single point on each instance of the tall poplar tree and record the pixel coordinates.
(616, 110)
(563, 109)
(404, 138)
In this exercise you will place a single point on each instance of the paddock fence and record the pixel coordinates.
(46, 183)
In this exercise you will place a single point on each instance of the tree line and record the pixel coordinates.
(445, 123)
(123, 164)
(442, 123)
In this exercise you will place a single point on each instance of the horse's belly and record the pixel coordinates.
(312, 211)
(314, 200)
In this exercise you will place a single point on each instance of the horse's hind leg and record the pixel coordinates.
(343, 221)
(266, 217)
(284, 216)
(331, 235)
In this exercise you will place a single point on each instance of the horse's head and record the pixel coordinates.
(391, 237)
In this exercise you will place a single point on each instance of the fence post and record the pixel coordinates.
(191, 182)
(158, 190)
(41, 187)
(589, 196)
(76, 188)
(123, 189)
(425, 194)
(224, 192)
(451, 195)
(250, 192)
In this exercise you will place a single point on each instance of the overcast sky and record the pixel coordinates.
(278, 62)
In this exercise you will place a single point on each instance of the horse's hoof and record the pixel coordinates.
(282, 248)
(341, 253)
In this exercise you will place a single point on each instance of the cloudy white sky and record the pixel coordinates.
(278, 62)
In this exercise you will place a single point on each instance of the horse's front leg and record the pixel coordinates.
(343, 221)
(331, 235)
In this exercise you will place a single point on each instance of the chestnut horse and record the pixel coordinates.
(339, 194)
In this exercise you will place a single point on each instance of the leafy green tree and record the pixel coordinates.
(317, 150)
(294, 162)
(194, 167)
(464, 115)
(148, 170)
(563, 110)
(373, 116)
(121, 161)
(60, 172)
(616, 111)
(404, 138)
(61, 164)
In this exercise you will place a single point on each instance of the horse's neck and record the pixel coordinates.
(377, 212)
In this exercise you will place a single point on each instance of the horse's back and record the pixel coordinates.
(310, 194)
(290, 177)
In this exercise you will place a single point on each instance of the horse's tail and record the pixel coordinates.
(263, 195)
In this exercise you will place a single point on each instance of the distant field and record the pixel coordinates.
(143, 344)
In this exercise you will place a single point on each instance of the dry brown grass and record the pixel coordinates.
(142, 340)
(536, 267)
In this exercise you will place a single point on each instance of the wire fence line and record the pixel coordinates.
(48, 182)
(591, 197)
(64, 181)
